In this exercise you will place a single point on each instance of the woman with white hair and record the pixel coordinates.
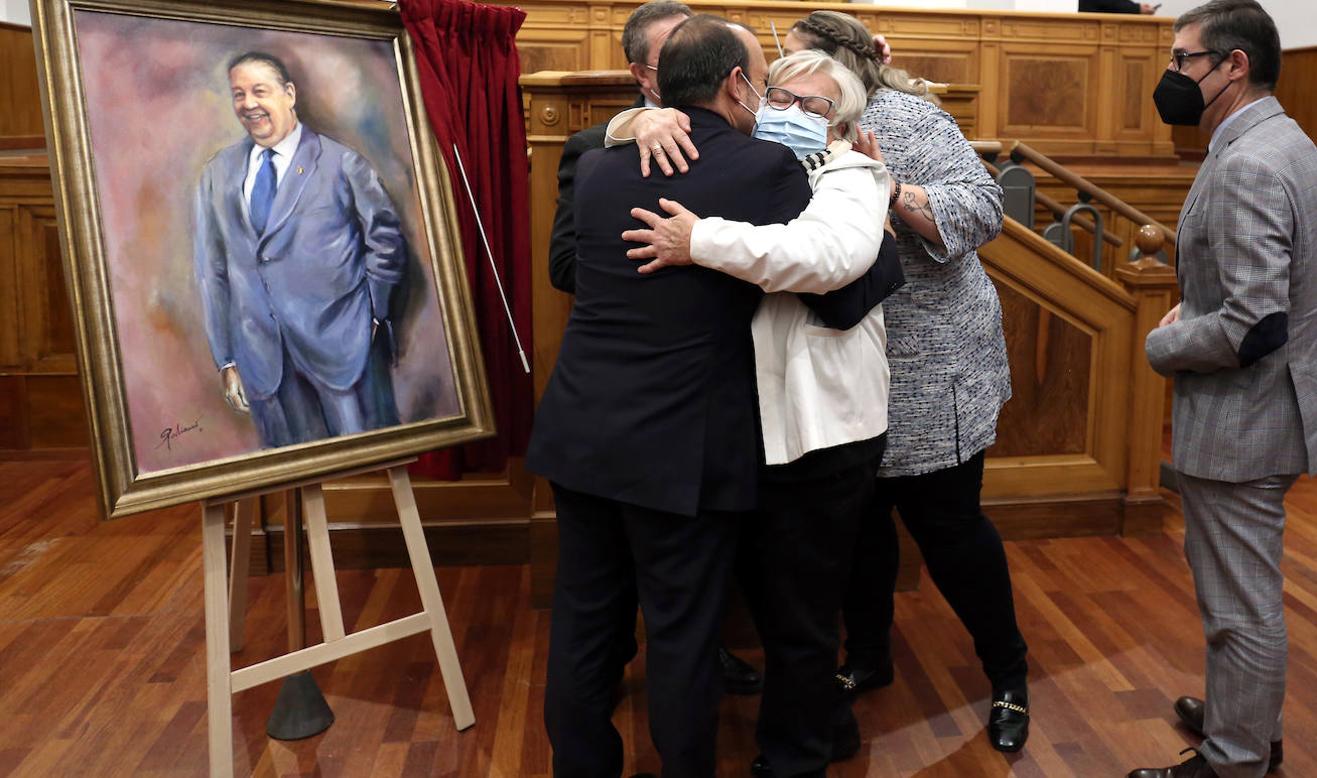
(822, 395)
(949, 377)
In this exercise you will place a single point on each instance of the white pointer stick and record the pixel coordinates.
(776, 39)
(521, 352)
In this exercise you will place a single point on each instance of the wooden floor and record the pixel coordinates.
(102, 660)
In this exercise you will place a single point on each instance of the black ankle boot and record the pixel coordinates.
(1008, 721)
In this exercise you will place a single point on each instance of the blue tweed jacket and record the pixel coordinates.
(945, 342)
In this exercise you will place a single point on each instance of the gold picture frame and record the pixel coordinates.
(110, 375)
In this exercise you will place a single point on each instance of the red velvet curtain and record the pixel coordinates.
(469, 67)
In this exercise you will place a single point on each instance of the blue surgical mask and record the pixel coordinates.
(793, 128)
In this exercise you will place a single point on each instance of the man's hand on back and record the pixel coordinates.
(669, 240)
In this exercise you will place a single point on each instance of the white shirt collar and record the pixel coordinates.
(1220, 128)
(285, 147)
(283, 158)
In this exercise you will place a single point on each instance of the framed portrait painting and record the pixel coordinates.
(260, 243)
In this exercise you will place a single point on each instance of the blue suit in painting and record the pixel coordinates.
(296, 308)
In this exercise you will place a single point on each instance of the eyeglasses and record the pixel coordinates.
(1178, 57)
(652, 67)
(813, 105)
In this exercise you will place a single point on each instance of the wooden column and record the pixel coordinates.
(1153, 284)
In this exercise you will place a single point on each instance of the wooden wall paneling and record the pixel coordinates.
(1297, 85)
(1097, 307)
(962, 102)
(1047, 81)
(602, 35)
(953, 61)
(13, 419)
(1049, 90)
(20, 102)
(562, 50)
(1154, 286)
(990, 116)
(55, 412)
(40, 396)
(554, 37)
(47, 316)
(1096, 56)
(10, 354)
(1051, 361)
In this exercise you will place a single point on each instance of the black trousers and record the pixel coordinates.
(678, 566)
(965, 558)
(799, 546)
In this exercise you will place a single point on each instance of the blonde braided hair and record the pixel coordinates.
(850, 43)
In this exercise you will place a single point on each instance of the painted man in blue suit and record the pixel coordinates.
(298, 251)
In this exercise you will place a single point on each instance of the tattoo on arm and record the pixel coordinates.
(912, 205)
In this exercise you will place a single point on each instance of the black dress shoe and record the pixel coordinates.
(1195, 767)
(857, 678)
(1008, 720)
(739, 676)
(759, 769)
(845, 744)
(845, 737)
(1193, 711)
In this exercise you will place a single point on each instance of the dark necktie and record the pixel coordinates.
(263, 192)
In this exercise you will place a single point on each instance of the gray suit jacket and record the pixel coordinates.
(327, 263)
(1244, 352)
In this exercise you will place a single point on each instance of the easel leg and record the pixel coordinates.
(239, 566)
(219, 698)
(300, 710)
(295, 596)
(322, 563)
(431, 599)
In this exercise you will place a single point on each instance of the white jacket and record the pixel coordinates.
(818, 387)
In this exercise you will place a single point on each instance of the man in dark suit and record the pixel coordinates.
(643, 36)
(648, 428)
(642, 39)
(1117, 7)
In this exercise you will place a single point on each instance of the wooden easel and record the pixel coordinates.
(226, 606)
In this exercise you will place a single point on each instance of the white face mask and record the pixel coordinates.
(793, 128)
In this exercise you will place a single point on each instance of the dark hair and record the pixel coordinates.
(697, 56)
(635, 44)
(274, 62)
(1226, 25)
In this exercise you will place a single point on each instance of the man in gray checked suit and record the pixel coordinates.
(1242, 350)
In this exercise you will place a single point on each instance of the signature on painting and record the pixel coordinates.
(170, 434)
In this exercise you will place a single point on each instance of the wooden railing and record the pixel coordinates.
(1148, 229)
(1024, 152)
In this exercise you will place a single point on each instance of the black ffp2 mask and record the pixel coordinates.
(1178, 99)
